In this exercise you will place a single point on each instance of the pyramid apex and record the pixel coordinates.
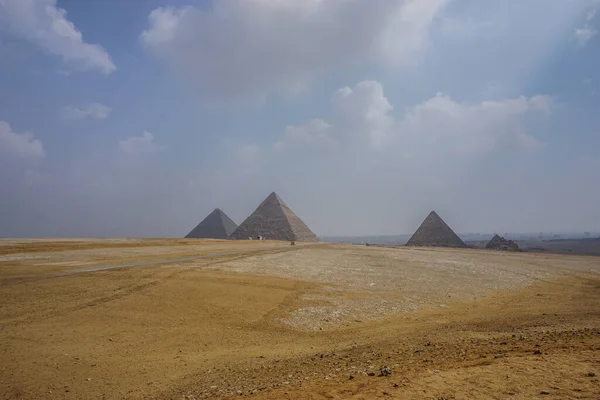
(275, 196)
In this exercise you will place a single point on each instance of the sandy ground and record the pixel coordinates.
(295, 322)
(33, 258)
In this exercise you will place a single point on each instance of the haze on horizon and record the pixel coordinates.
(137, 119)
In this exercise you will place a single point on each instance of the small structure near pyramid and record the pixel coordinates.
(217, 225)
(499, 243)
(274, 220)
(435, 232)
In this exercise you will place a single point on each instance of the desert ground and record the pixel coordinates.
(194, 319)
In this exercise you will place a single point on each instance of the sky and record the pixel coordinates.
(138, 118)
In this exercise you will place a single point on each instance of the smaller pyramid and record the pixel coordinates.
(499, 243)
(274, 220)
(435, 232)
(217, 225)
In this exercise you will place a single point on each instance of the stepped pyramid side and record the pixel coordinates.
(217, 225)
(274, 220)
(435, 232)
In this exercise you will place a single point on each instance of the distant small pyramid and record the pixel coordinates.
(499, 243)
(496, 241)
(274, 220)
(435, 232)
(217, 225)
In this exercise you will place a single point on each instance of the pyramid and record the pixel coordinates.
(217, 225)
(274, 220)
(435, 232)
(499, 243)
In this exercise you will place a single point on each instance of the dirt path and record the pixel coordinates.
(169, 260)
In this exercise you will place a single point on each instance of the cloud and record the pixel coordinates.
(584, 35)
(45, 25)
(253, 48)
(438, 125)
(587, 32)
(93, 110)
(21, 146)
(316, 133)
(477, 128)
(366, 109)
(138, 145)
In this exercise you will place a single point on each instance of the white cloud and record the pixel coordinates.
(584, 35)
(22, 146)
(45, 25)
(251, 48)
(587, 32)
(93, 110)
(314, 133)
(444, 124)
(439, 125)
(137, 145)
(366, 109)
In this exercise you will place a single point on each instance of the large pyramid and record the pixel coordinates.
(435, 232)
(217, 225)
(274, 220)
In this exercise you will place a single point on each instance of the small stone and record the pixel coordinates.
(149, 383)
(371, 373)
(88, 379)
(544, 392)
(500, 356)
(351, 377)
(385, 371)
(537, 352)
(591, 374)
(521, 337)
